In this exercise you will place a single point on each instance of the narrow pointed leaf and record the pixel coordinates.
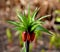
(34, 14)
(42, 29)
(19, 15)
(29, 16)
(34, 27)
(13, 23)
(37, 22)
(44, 17)
(19, 28)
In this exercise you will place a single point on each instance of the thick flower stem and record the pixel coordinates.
(27, 46)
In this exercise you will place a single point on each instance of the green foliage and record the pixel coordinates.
(55, 40)
(42, 50)
(57, 19)
(20, 38)
(44, 17)
(52, 39)
(23, 49)
(58, 27)
(34, 14)
(29, 23)
(8, 33)
(31, 47)
(57, 11)
(38, 34)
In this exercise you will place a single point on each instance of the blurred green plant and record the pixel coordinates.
(58, 17)
(57, 11)
(20, 39)
(57, 26)
(55, 40)
(42, 50)
(9, 36)
(24, 48)
(31, 47)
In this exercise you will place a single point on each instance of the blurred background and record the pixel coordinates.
(43, 42)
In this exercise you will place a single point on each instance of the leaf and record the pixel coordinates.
(22, 18)
(19, 28)
(44, 17)
(37, 22)
(34, 27)
(40, 22)
(34, 24)
(19, 16)
(39, 27)
(38, 34)
(34, 14)
(29, 16)
(13, 23)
